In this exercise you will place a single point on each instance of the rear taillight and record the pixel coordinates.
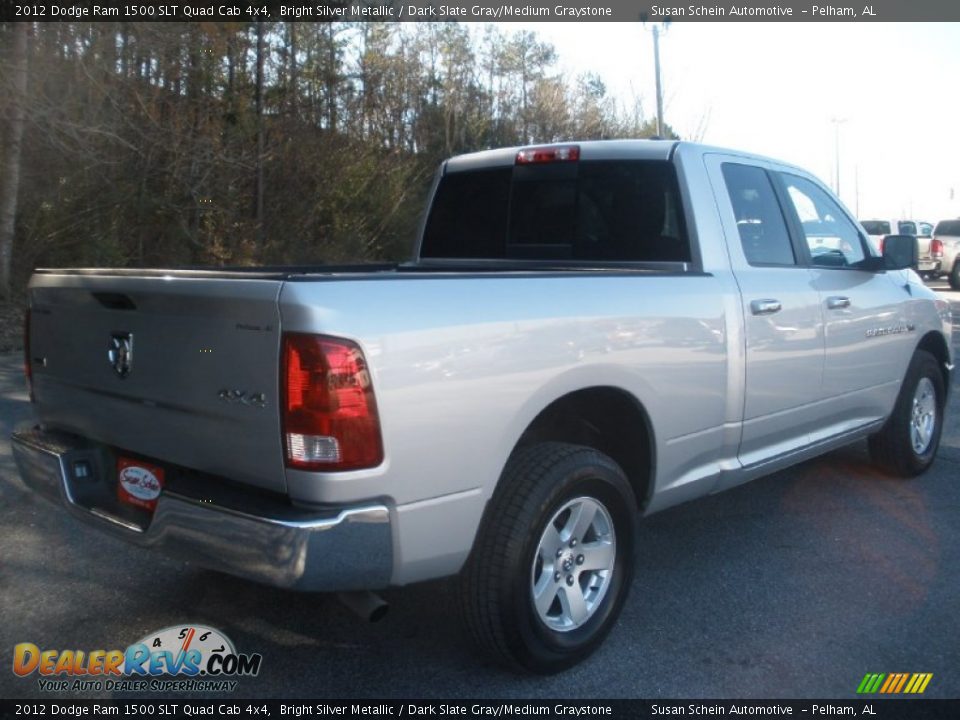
(548, 154)
(936, 248)
(330, 419)
(27, 369)
(880, 244)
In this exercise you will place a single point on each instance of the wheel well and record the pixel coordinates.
(934, 344)
(607, 419)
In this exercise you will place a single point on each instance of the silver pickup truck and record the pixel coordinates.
(589, 333)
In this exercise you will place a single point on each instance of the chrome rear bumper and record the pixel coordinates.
(346, 548)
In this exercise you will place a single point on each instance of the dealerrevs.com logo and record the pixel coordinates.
(178, 658)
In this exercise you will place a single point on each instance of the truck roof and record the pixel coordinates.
(633, 149)
(589, 150)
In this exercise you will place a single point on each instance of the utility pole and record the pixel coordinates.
(661, 126)
(656, 68)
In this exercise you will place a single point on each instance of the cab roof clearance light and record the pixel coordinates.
(548, 154)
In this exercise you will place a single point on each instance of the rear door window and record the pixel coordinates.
(763, 231)
(627, 210)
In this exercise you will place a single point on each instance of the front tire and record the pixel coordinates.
(907, 444)
(553, 561)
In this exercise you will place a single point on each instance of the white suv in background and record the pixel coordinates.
(879, 229)
(947, 234)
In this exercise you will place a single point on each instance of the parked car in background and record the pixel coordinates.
(930, 262)
(947, 235)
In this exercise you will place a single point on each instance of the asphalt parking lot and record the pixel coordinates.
(792, 586)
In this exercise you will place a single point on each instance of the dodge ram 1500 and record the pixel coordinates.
(590, 332)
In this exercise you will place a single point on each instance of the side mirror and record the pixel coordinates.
(900, 252)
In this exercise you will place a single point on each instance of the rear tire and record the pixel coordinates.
(553, 561)
(907, 444)
(954, 277)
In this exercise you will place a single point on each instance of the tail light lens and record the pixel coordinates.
(880, 244)
(936, 248)
(330, 419)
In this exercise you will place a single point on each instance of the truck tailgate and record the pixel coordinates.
(200, 386)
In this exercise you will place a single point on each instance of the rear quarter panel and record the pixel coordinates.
(461, 365)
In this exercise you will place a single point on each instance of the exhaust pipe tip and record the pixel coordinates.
(365, 604)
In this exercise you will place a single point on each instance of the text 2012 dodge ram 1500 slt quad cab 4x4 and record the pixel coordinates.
(590, 332)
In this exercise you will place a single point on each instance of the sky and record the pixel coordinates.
(776, 88)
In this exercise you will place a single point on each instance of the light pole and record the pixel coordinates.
(836, 149)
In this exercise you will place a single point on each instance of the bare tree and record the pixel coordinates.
(10, 152)
(702, 124)
(258, 200)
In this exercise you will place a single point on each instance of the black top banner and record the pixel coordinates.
(868, 708)
(483, 11)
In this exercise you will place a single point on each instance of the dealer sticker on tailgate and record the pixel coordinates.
(138, 483)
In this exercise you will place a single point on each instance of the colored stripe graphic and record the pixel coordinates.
(894, 683)
(903, 681)
(870, 683)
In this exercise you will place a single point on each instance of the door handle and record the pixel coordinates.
(765, 307)
(837, 302)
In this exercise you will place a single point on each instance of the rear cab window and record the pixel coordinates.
(876, 227)
(947, 227)
(592, 210)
